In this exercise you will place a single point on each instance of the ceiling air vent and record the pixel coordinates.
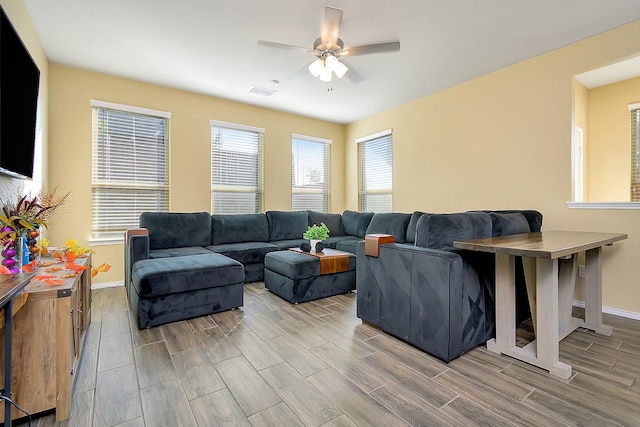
(262, 90)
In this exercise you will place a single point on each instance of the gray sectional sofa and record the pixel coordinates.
(420, 288)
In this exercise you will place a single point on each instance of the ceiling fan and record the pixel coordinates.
(329, 48)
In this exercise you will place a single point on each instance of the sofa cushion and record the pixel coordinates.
(534, 218)
(332, 241)
(289, 243)
(245, 252)
(332, 221)
(411, 228)
(166, 276)
(394, 224)
(293, 265)
(356, 223)
(174, 230)
(438, 231)
(504, 224)
(239, 228)
(287, 225)
(173, 252)
(348, 245)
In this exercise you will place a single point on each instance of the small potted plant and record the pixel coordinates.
(315, 234)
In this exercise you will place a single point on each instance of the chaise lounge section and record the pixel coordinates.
(165, 290)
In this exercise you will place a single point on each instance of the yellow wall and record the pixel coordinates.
(70, 155)
(504, 141)
(609, 141)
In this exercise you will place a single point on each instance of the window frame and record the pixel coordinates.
(101, 237)
(634, 121)
(325, 191)
(259, 178)
(363, 192)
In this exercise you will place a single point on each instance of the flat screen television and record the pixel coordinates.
(19, 83)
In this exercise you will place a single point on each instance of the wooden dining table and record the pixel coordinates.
(550, 262)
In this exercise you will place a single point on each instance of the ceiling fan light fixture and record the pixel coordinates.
(325, 75)
(316, 67)
(340, 70)
(331, 62)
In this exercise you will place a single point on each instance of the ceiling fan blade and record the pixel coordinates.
(300, 74)
(353, 76)
(331, 26)
(368, 49)
(279, 45)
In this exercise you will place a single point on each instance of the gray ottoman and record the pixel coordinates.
(296, 277)
(176, 288)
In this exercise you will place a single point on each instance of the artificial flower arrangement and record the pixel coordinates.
(24, 218)
(29, 213)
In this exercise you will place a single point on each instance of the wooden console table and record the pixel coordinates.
(48, 336)
(550, 290)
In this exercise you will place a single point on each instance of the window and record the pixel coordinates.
(236, 168)
(635, 152)
(375, 173)
(310, 173)
(130, 171)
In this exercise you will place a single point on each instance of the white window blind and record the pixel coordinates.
(130, 171)
(310, 173)
(375, 173)
(236, 168)
(635, 152)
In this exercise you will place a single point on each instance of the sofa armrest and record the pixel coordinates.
(136, 248)
(415, 294)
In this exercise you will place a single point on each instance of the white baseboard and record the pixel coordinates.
(614, 311)
(106, 285)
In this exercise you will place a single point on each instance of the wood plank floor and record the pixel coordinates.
(271, 363)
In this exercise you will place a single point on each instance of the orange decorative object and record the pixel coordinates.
(75, 267)
(34, 249)
(31, 267)
(34, 233)
(102, 268)
(46, 263)
(49, 280)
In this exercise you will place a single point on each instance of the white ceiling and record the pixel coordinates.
(210, 46)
